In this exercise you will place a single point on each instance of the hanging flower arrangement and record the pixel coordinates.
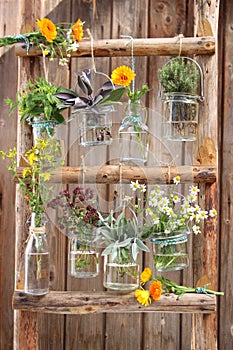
(56, 41)
(133, 132)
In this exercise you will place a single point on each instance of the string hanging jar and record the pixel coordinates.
(134, 134)
(180, 110)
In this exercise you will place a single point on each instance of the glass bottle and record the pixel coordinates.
(37, 259)
(134, 135)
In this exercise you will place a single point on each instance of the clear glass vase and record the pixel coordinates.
(37, 259)
(180, 117)
(95, 126)
(83, 259)
(134, 135)
(170, 251)
(121, 274)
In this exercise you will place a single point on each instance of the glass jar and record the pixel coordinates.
(83, 259)
(37, 259)
(42, 129)
(180, 117)
(95, 126)
(134, 135)
(47, 130)
(170, 251)
(121, 273)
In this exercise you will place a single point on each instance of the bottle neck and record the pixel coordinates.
(134, 112)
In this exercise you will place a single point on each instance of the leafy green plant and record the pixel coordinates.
(179, 75)
(39, 165)
(86, 97)
(38, 99)
(122, 236)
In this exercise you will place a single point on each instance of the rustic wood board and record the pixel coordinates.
(7, 199)
(205, 246)
(225, 315)
(111, 302)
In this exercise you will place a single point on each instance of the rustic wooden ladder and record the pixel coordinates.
(205, 173)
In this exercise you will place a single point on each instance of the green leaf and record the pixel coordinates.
(114, 96)
(141, 245)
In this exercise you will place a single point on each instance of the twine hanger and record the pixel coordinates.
(180, 37)
(92, 50)
(131, 41)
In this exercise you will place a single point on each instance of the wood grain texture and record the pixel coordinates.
(88, 331)
(205, 248)
(110, 174)
(142, 47)
(167, 19)
(7, 203)
(225, 315)
(111, 302)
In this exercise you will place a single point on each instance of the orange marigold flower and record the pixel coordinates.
(77, 30)
(47, 28)
(156, 290)
(146, 275)
(122, 75)
(143, 296)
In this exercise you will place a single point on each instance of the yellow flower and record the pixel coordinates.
(26, 171)
(146, 275)
(11, 153)
(46, 176)
(31, 158)
(156, 290)
(122, 75)
(47, 28)
(143, 296)
(77, 30)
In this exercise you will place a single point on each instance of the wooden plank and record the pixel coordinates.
(142, 47)
(8, 129)
(167, 19)
(225, 315)
(30, 69)
(53, 326)
(130, 18)
(87, 331)
(111, 302)
(204, 334)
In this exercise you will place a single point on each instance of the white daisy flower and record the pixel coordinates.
(194, 189)
(63, 61)
(176, 179)
(176, 199)
(135, 185)
(212, 213)
(149, 211)
(143, 188)
(196, 229)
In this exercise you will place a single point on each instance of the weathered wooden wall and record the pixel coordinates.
(112, 18)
